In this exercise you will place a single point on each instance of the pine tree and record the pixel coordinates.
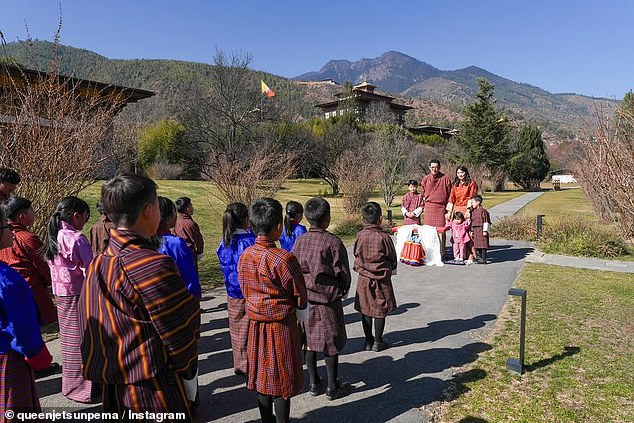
(529, 165)
(484, 135)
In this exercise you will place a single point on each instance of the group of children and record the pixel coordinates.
(469, 231)
(128, 316)
(285, 301)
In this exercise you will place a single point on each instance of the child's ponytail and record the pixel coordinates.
(294, 210)
(234, 217)
(63, 213)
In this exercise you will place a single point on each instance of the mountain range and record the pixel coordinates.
(408, 77)
(438, 96)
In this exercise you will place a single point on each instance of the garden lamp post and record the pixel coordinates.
(517, 364)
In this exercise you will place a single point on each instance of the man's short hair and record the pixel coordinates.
(9, 176)
(13, 206)
(124, 196)
(265, 214)
(371, 212)
(477, 198)
(434, 161)
(317, 211)
(412, 182)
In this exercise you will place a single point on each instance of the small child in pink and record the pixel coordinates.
(459, 236)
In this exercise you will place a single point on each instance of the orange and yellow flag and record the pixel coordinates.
(266, 90)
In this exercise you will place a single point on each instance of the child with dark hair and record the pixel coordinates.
(175, 247)
(100, 231)
(22, 349)
(139, 324)
(324, 262)
(68, 253)
(480, 223)
(9, 180)
(236, 238)
(375, 261)
(25, 256)
(188, 229)
(460, 237)
(412, 204)
(273, 286)
(292, 228)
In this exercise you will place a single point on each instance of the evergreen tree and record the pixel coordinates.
(529, 165)
(484, 134)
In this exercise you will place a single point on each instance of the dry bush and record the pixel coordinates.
(603, 167)
(239, 181)
(55, 134)
(519, 226)
(486, 179)
(357, 178)
(162, 169)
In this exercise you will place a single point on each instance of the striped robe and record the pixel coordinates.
(139, 327)
(273, 286)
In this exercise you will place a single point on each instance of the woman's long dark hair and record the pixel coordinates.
(467, 177)
(63, 213)
(234, 217)
(294, 210)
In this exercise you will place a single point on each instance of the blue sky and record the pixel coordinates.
(582, 46)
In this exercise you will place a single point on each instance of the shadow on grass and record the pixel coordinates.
(471, 419)
(568, 352)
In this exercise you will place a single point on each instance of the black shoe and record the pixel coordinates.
(239, 372)
(339, 391)
(368, 344)
(479, 260)
(380, 345)
(315, 388)
(50, 370)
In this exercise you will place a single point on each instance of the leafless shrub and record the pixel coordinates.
(390, 147)
(162, 169)
(262, 176)
(604, 166)
(357, 177)
(54, 132)
(486, 179)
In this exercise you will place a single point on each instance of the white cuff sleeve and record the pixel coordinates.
(404, 210)
(303, 313)
(191, 387)
(418, 211)
(486, 226)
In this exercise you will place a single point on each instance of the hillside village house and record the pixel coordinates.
(364, 95)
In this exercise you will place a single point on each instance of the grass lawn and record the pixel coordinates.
(569, 202)
(579, 354)
(209, 208)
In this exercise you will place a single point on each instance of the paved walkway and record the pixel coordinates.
(581, 262)
(444, 317)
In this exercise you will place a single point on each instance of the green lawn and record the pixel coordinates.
(569, 203)
(209, 208)
(579, 354)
